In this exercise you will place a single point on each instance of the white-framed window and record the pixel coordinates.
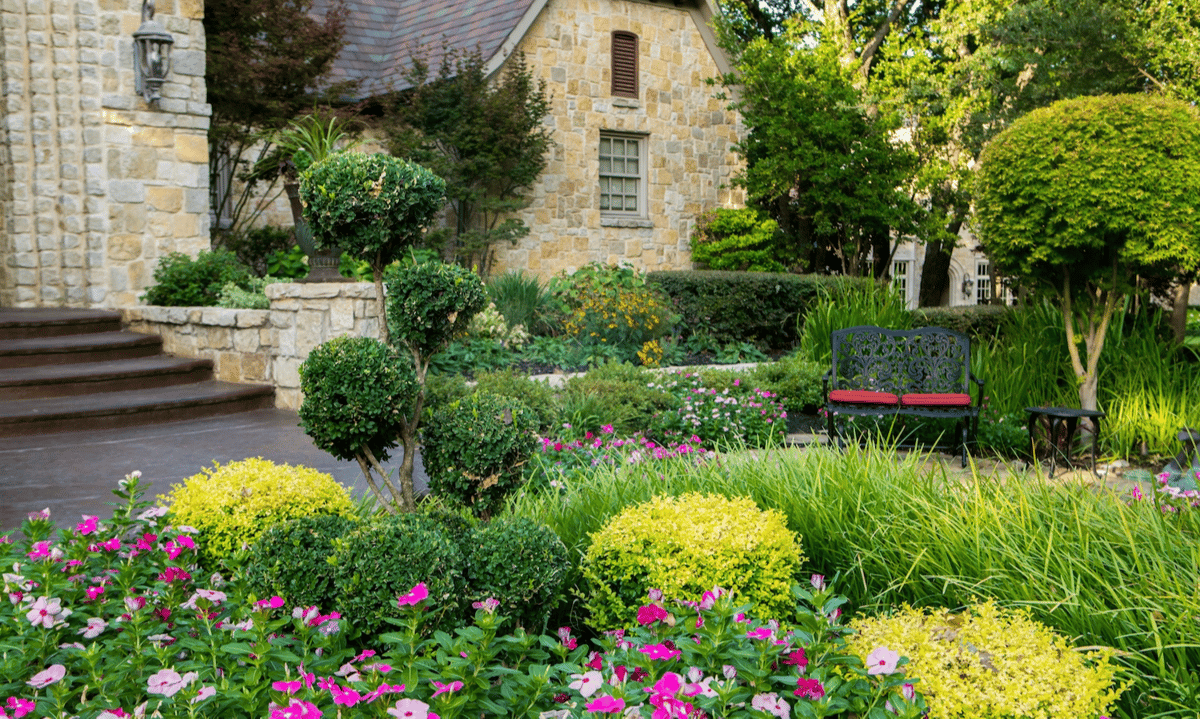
(623, 175)
(983, 283)
(900, 276)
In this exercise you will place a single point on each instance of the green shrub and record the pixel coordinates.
(717, 302)
(181, 281)
(475, 447)
(291, 559)
(979, 322)
(989, 663)
(685, 546)
(521, 299)
(431, 303)
(614, 307)
(250, 297)
(613, 393)
(521, 564)
(795, 378)
(351, 386)
(234, 504)
(739, 240)
(441, 390)
(537, 396)
(255, 247)
(290, 263)
(387, 557)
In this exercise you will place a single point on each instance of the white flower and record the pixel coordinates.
(586, 684)
(95, 625)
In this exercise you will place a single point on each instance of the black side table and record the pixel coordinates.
(1070, 416)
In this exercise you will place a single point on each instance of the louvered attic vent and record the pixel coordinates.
(624, 64)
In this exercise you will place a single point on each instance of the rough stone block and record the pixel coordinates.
(254, 367)
(219, 317)
(167, 199)
(245, 340)
(252, 318)
(126, 191)
(123, 248)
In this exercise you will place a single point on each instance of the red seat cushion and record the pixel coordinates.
(856, 396)
(936, 400)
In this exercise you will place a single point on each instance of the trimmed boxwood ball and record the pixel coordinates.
(430, 303)
(292, 560)
(685, 546)
(355, 391)
(520, 563)
(381, 560)
(474, 449)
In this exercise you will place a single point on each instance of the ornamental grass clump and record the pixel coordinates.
(232, 505)
(991, 663)
(685, 546)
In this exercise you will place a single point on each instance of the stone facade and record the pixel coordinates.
(689, 136)
(265, 346)
(96, 185)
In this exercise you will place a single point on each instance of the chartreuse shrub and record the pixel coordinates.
(685, 546)
(181, 281)
(382, 559)
(291, 559)
(475, 448)
(741, 240)
(990, 663)
(519, 563)
(357, 396)
(234, 504)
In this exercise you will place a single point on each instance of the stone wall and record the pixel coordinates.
(96, 185)
(264, 346)
(689, 132)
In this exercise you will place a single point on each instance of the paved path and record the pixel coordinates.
(74, 473)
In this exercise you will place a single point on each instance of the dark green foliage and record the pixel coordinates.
(291, 560)
(474, 449)
(288, 263)
(740, 240)
(371, 206)
(379, 561)
(485, 136)
(469, 355)
(441, 390)
(795, 378)
(255, 247)
(355, 391)
(431, 303)
(537, 396)
(613, 393)
(979, 322)
(184, 282)
(521, 564)
(717, 302)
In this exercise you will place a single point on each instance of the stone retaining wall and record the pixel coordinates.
(264, 346)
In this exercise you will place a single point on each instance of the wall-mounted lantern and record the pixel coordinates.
(151, 55)
(967, 286)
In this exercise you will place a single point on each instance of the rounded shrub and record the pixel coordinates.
(381, 560)
(475, 448)
(537, 396)
(521, 564)
(988, 663)
(291, 559)
(234, 504)
(685, 546)
(431, 303)
(741, 240)
(181, 281)
(355, 390)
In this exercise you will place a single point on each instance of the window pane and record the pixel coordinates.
(631, 187)
(631, 166)
(605, 146)
(631, 203)
(605, 164)
(618, 165)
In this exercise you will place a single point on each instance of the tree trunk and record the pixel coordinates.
(380, 305)
(1087, 391)
(1179, 312)
(935, 274)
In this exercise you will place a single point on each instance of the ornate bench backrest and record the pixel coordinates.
(928, 359)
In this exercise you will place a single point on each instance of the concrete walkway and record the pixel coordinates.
(74, 473)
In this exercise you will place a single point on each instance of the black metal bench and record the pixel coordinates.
(924, 372)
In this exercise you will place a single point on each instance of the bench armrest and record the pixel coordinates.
(978, 382)
(825, 383)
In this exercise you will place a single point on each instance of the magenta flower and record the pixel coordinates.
(415, 595)
(881, 660)
(650, 614)
(48, 676)
(19, 707)
(286, 687)
(760, 633)
(88, 525)
(40, 550)
(111, 545)
(488, 605)
(809, 689)
(297, 710)
(669, 684)
(446, 688)
(410, 709)
(659, 651)
(344, 695)
(94, 592)
(607, 705)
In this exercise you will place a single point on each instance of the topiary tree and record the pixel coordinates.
(1077, 198)
(372, 206)
(357, 396)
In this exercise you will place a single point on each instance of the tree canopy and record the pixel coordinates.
(1078, 197)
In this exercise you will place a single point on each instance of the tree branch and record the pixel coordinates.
(366, 470)
(868, 53)
(1069, 323)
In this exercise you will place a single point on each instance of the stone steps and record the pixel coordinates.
(73, 370)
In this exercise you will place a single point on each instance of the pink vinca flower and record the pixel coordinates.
(88, 525)
(40, 550)
(607, 705)
(650, 614)
(204, 693)
(45, 612)
(95, 625)
(46, 677)
(344, 695)
(660, 652)
(586, 684)
(297, 710)
(450, 688)
(771, 704)
(416, 595)
(19, 707)
(286, 687)
(881, 660)
(809, 689)
(409, 709)
(166, 682)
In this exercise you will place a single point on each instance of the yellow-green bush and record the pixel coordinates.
(235, 504)
(989, 663)
(685, 546)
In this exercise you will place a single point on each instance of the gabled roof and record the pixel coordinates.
(382, 36)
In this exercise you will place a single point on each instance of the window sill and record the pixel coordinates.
(618, 101)
(624, 222)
